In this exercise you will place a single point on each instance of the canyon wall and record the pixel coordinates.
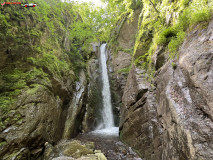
(168, 116)
(45, 92)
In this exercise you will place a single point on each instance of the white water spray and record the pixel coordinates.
(107, 115)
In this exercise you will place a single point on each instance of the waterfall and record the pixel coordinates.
(107, 114)
(107, 126)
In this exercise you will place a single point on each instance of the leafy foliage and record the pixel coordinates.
(154, 31)
(55, 66)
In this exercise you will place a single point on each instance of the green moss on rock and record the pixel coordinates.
(76, 150)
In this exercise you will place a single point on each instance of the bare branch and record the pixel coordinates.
(154, 6)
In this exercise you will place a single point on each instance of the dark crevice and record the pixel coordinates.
(140, 94)
(139, 106)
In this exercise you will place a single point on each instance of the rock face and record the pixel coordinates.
(173, 119)
(126, 37)
(74, 115)
(70, 150)
(41, 98)
(42, 117)
(123, 59)
(94, 95)
(119, 63)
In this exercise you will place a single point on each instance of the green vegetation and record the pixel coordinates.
(125, 70)
(161, 24)
(53, 40)
(13, 81)
(174, 35)
(2, 143)
(154, 31)
(52, 63)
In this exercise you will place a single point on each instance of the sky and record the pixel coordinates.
(96, 2)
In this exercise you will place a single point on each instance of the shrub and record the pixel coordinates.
(173, 36)
(175, 43)
(199, 12)
(166, 35)
(52, 63)
(201, 16)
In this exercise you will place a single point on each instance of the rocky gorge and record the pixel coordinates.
(170, 116)
(162, 98)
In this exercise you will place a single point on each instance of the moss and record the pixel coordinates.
(184, 3)
(13, 81)
(52, 63)
(170, 36)
(33, 89)
(153, 30)
(124, 70)
(196, 12)
(127, 50)
(166, 36)
(2, 143)
(6, 100)
(76, 150)
(141, 62)
(199, 11)
(19, 122)
(2, 126)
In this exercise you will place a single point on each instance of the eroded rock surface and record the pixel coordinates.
(119, 63)
(94, 98)
(74, 115)
(128, 30)
(173, 119)
(70, 150)
(41, 118)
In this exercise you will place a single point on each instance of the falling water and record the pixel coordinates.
(107, 126)
(107, 114)
(106, 137)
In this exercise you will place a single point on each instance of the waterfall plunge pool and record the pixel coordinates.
(110, 131)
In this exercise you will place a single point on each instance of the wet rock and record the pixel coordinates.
(74, 115)
(94, 98)
(196, 59)
(68, 150)
(39, 116)
(160, 57)
(117, 78)
(120, 61)
(110, 146)
(173, 120)
(48, 153)
(91, 145)
(76, 150)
